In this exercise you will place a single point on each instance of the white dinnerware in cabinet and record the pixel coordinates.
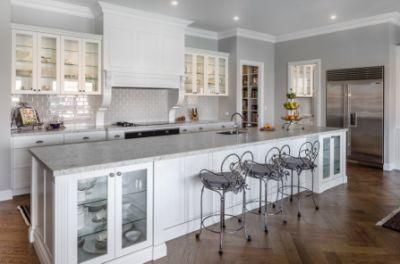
(111, 214)
(24, 59)
(48, 63)
(206, 73)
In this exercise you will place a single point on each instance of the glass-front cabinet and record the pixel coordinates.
(48, 63)
(331, 156)
(24, 62)
(114, 215)
(206, 73)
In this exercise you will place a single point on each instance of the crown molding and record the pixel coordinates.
(56, 6)
(393, 17)
(201, 33)
(245, 33)
(136, 13)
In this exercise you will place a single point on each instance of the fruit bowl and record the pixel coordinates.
(291, 118)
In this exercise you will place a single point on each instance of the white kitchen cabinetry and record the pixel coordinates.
(206, 73)
(84, 137)
(143, 49)
(21, 159)
(333, 159)
(49, 61)
(100, 216)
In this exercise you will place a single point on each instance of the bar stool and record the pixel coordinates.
(232, 180)
(271, 170)
(305, 161)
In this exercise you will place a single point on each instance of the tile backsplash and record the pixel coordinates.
(134, 105)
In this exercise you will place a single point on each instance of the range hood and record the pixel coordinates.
(142, 49)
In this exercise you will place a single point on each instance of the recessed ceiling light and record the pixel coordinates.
(174, 3)
(333, 17)
(236, 18)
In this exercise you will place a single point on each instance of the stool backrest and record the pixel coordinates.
(309, 150)
(233, 163)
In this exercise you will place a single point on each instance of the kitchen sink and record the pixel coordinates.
(232, 132)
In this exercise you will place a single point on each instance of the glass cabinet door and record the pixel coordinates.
(71, 54)
(24, 62)
(134, 208)
(48, 81)
(92, 218)
(326, 153)
(336, 155)
(211, 71)
(92, 67)
(200, 71)
(222, 76)
(188, 73)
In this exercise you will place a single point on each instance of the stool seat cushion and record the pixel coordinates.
(294, 163)
(258, 170)
(222, 181)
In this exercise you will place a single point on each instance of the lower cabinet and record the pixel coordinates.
(109, 216)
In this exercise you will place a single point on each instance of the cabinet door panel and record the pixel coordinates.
(48, 63)
(24, 62)
(193, 185)
(71, 78)
(326, 153)
(92, 67)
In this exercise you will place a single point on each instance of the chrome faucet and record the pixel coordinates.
(236, 126)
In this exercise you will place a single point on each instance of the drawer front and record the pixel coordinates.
(37, 141)
(21, 158)
(116, 135)
(84, 137)
(22, 178)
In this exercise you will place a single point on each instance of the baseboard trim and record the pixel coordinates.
(6, 195)
(389, 167)
(21, 191)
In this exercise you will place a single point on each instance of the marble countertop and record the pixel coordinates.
(84, 157)
(78, 128)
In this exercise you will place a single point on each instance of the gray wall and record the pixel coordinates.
(367, 46)
(5, 93)
(227, 105)
(201, 43)
(35, 17)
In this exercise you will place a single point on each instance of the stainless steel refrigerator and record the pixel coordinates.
(355, 100)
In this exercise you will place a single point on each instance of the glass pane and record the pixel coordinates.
(134, 208)
(91, 67)
(211, 75)
(336, 155)
(92, 218)
(188, 73)
(326, 157)
(23, 62)
(48, 64)
(200, 74)
(71, 65)
(222, 76)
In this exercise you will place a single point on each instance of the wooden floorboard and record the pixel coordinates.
(342, 231)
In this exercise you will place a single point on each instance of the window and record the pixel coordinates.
(302, 79)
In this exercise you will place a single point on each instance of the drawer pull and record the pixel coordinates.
(223, 126)
(184, 130)
(39, 142)
(117, 136)
(86, 138)
(200, 128)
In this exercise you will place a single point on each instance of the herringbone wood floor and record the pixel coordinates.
(343, 231)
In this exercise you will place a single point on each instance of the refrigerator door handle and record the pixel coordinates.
(353, 119)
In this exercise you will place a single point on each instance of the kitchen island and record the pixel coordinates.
(120, 201)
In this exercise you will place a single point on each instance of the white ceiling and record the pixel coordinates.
(275, 17)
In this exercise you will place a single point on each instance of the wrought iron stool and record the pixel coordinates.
(233, 180)
(271, 170)
(305, 161)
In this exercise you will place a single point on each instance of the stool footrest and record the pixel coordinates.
(225, 230)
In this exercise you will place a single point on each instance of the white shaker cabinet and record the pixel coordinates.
(143, 49)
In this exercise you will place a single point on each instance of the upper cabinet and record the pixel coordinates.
(206, 73)
(143, 49)
(46, 61)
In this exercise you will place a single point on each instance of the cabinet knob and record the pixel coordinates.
(112, 175)
(39, 142)
(86, 138)
(119, 173)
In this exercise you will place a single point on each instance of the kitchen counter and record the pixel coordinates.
(85, 157)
